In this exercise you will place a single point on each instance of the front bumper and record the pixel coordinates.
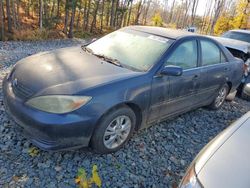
(46, 130)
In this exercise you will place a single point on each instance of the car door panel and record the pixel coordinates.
(172, 94)
(214, 70)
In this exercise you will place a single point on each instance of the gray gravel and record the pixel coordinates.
(155, 157)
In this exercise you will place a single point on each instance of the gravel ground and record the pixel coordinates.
(154, 157)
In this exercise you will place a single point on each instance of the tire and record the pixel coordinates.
(115, 124)
(220, 98)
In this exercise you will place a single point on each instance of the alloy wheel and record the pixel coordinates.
(221, 97)
(117, 132)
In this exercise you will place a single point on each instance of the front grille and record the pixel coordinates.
(21, 90)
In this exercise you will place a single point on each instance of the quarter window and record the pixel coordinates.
(211, 54)
(185, 55)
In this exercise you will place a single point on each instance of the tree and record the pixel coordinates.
(218, 5)
(240, 20)
(58, 9)
(138, 12)
(194, 9)
(9, 16)
(93, 25)
(65, 28)
(2, 20)
(40, 14)
(172, 10)
(112, 13)
(157, 20)
(73, 7)
(130, 2)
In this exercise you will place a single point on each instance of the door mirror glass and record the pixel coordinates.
(172, 70)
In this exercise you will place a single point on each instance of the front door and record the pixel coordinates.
(173, 94)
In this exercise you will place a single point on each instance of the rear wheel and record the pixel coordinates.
(220, 98)
(114, 130)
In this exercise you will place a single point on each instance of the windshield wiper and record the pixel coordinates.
(87, 49)
(109, 59)
(102, 56)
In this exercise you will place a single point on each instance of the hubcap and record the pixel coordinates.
(221, 97)
(117, 132)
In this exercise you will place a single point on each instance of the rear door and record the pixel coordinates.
(214, 70)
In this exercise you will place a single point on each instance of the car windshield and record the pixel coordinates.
(237, 36)
(133, 49)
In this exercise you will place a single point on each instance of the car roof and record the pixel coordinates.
(164, 32)
(241, 31)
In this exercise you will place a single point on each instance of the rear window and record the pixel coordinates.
(211, 53)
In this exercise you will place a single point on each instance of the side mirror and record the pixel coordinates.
(172, 70)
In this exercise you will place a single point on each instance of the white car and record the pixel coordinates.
(223, 162)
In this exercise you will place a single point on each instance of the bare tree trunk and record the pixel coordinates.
(172, 11)
(102, 14)
(112, 13)
(71, 26)
(138, 13)
(108, 13)
(93, 24)
(194, 9)
(130, 10)
(116, 14)
(87, 16)
(217, 10)
(9, 16)
(27, 10)
(84, 13)
(187, 7)
(65, 28)
(2, 20)
(146, 13)
(58, 9)
(18, 12)
(41, 14)
(79, 15)
(53, 8)
(14, 14)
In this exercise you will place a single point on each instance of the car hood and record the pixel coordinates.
(65, 71)
(235, 44)
(225, 163)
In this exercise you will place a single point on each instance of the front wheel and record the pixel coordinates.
(114, 130)
(220, 98)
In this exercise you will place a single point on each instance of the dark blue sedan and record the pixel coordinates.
(98, 94)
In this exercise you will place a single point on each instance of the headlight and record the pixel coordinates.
(58, 104)
(190, 179)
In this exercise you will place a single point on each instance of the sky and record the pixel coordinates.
(200, 9)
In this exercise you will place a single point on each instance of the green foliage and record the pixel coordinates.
(227, 21)
(84, 182)
(157, 20)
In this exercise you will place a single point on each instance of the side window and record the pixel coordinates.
(211, 54)
(185, 55)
